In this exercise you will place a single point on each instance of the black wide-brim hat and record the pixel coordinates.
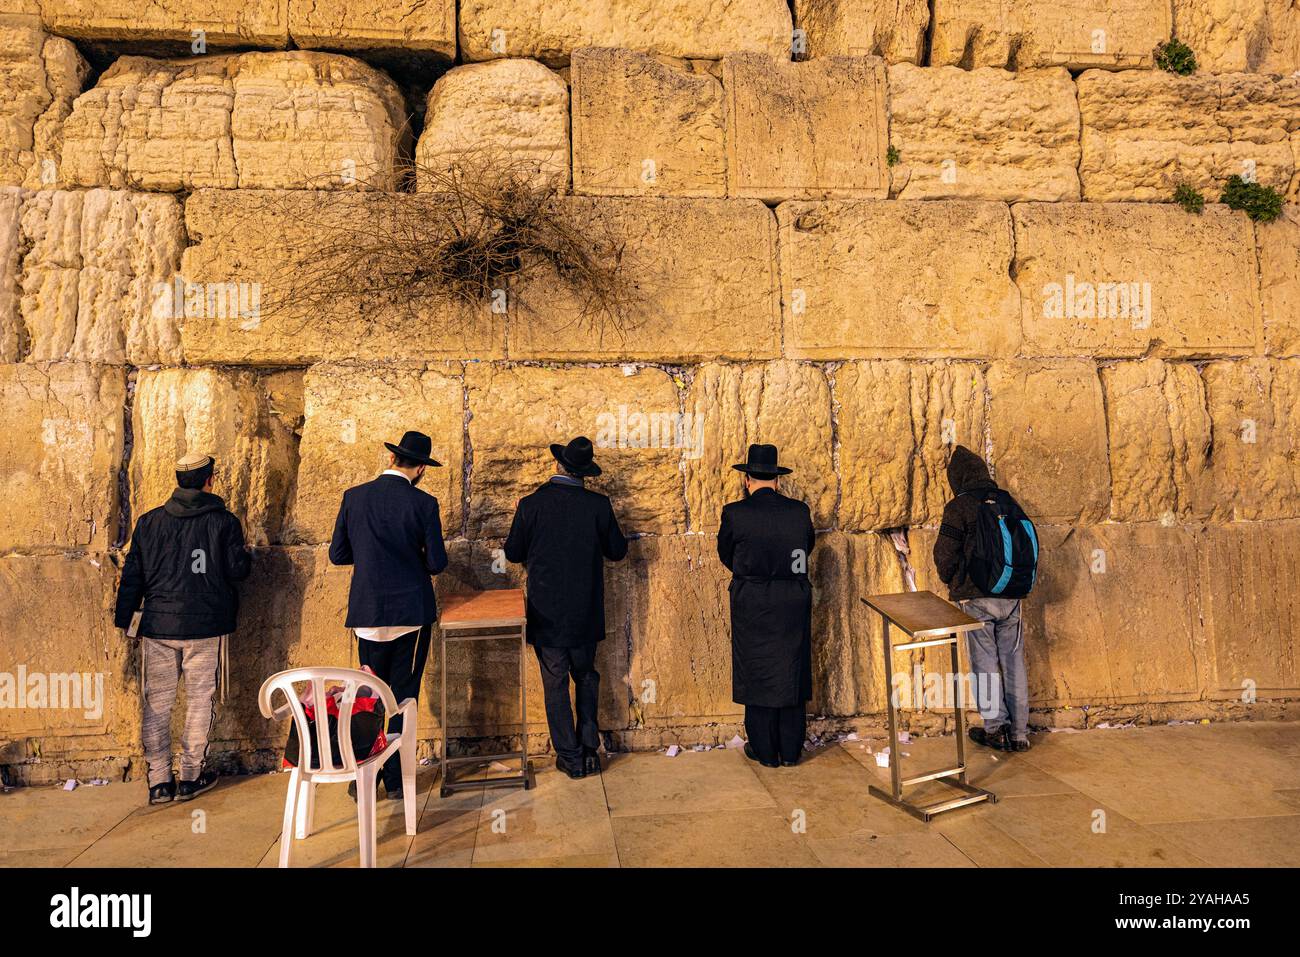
(761, 463)
(415, 446)
(576, 457)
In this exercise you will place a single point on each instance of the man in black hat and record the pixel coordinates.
(765, 540)
(561, 533)
(391, 533)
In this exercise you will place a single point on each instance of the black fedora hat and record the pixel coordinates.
(762, 463)
(415, 446)
(576, 457)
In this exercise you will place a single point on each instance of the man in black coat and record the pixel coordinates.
(765, 540)
(180, 574)
(391, 533)
(562, 533)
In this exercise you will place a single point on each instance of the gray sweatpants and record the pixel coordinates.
(165, 660)
(996, 650)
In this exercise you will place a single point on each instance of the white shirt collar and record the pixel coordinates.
(395, 472)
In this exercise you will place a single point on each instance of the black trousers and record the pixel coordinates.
(400, 664)
(558, 665)
(776, 733)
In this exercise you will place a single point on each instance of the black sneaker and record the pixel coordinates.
(1020, 745)
(163, 793)
(189, 790)
(574, 771)
(753, 756)
(997, 740)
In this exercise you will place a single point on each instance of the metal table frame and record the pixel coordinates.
(946, 633)
(495, 629)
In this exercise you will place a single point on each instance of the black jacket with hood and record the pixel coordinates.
(184, 561)
(953, 547)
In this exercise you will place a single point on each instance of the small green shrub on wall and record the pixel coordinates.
(1263, 204)
(1176, 56)
(1189, 198)
(892, 156)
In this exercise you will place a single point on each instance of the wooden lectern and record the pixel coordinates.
(928, 621)
(485, 616)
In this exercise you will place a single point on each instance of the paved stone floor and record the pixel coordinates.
(1219, 795)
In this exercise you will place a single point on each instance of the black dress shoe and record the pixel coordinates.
(572, 770)
(352, 789)
(163, 793)
(591, 761)
(789, 764)
(189, 790)
(396, 794)
(753, 756)
(999, 740)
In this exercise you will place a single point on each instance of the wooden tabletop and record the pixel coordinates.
(483, 609)
(923, 614)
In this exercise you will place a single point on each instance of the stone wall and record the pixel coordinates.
(846, 241)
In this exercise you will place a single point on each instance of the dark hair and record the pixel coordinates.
(195, 478)
(402, 462)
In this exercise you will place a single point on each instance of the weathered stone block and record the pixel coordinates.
(258, 22)
(646, 126)
(885, 28)
(253, 120)
(983, 134)
(350, 413)
(59, 467)
(1113, 34)
(13, 340)
(1159, 441)
(292, 255)
(1256, 461)
(228, 414)
(867, 279)
(97, 271)
(428, 27)
(814, 130)
(41, 76)
(949, 407)
(1048, 426)
(1252, 36)
(550, 32)
(1278, 246)
(517, 412)
(1144, 133)
(1124, 279)
(509, 113)
(730, 406)
(681, 299)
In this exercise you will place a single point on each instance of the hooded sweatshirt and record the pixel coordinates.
(952, 549)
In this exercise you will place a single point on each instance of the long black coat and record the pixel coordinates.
(561, 533)
(390, 531)
(766, 540)
(184, 561)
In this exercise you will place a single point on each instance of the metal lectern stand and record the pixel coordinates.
(485, 616)
(929, 621)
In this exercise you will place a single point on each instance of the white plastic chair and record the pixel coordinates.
(300, 803)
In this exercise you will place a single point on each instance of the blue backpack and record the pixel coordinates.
(1004, 558)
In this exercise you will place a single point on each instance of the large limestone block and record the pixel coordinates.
(1127, 279)
(257, 22)
(1146, 132)
(1159, 441)
(1256, 426)
(949, 408)
(1048, 426)
(787, 404)
(41, 76)
(97, 276)
(508, 113)
(253, 120)
(291, 254)
(813, 130)
(350, 412)
(13, 341)
(646, 126)
(1112, 34)
(550, 32)
(232, 416)
(516, 412)
(1251, 617)
(59, 466)
(881, 279)
(892, 29)
(682, 298)
(79, 694)
(1251, 36)
(1279, 282)
(427, 27)
(983, 134)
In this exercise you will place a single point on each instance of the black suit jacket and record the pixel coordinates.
(390, 532)
(561, 533)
